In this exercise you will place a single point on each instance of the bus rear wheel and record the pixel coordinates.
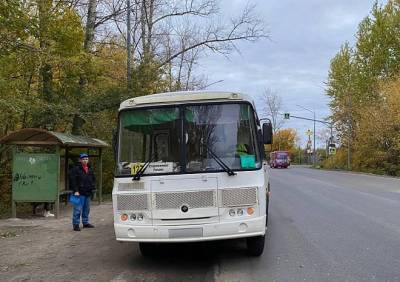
(255, 245)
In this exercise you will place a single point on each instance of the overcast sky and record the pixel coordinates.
(294, 62)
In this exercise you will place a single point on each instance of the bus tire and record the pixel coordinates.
(255, 245)
(147, 249)
(266, 214)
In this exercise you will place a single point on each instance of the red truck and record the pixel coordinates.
(279, 159)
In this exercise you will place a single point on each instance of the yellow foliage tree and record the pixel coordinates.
(284, 140)
(377, 143)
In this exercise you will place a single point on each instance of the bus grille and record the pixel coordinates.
(132, 202)
(131, 186)
(239, 197)
(175, 200)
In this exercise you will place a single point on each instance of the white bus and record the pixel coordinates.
(191, 167)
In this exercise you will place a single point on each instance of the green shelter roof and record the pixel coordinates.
(37, 136)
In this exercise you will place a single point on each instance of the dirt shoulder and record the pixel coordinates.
(46, 249)
(43, 249)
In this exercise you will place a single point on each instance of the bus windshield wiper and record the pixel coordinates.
(224, 166)
(140, 172)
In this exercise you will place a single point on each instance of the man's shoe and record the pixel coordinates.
(88, 225)
(76, 228)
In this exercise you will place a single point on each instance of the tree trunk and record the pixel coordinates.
(78, 121)
(46, 73)
(143, 26)
(128, 45)
(45, 119)
(28, 90)
(90, 26)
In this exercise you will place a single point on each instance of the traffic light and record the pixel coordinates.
(287, 115)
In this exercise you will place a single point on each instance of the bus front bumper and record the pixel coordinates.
(190, 233)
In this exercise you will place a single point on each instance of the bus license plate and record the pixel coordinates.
(185, 232)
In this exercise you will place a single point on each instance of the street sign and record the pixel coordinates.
(309, 133)
(332, 151)
(287, 115)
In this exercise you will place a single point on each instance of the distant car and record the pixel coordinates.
(279, 159)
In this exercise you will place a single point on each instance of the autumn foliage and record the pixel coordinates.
(284, 140)
(364, 88)
(64, 64)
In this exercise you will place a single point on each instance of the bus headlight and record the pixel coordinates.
(239, 212)
(124, 217)
(133, 216)
(232, 212)
(140, 217)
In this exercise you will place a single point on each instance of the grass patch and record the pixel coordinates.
(8, 234)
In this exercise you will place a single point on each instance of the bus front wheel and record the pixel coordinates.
(147, 249)
(255, 245)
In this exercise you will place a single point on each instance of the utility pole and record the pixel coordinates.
(314, 120)
(314, 151)
(128, 44)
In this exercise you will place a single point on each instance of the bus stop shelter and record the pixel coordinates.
(40, 164)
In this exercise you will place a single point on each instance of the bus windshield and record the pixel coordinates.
(228, 130)
(184, 139)
(282, 156)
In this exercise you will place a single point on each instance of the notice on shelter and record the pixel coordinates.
(35, 177)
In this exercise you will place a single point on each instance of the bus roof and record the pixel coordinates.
(183, 97)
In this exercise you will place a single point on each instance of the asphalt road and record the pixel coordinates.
(323, 226)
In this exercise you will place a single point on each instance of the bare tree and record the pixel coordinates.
(323, 135)
(174, 34)
(272, 107)
(220, 38)
(180, 71)
(167, 35)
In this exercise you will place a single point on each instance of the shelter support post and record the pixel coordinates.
(13, 203)
(57, 201)
(66, 169)
(100, 176)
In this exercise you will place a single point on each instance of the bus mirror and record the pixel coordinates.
(267, 133)
(115, 143)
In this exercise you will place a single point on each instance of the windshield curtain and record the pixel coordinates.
(227, 130)
(149, 134)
